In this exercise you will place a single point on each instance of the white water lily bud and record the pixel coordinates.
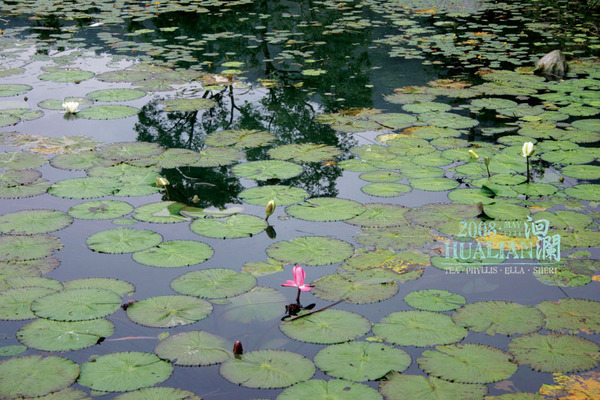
(270, 208)
(71, 106)
(527, 150)
(473, 154)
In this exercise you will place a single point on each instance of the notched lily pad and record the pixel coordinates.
(311, 250)
(213, 283)
(504, 317)
(327, 327)
(169, 311)
(194, 348)
(326, 209)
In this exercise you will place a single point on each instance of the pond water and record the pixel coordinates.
(390, 135)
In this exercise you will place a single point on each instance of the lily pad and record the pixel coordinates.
(15, 304)
(327, 327)
(48, 335)
(584, 192)
(236, 226)
(380, 215)
(384, 189)
(361, 361)
(468, 363)
(588, 172)
(213, 283)
(162, 212)
(107, 112)
(110, 95)
(194, 348)
(77, 304)
(169, 311)
(127, 151)
(396, 238)
(21, 160)
(311, 250)
(333, 287)
(419, 328)
(13, 90)
(239, 138)
(268, 169)
(317, 389)
(123, 240)
(282, 195)
(572, 315)
(268, 369)
(189, 104)
(118, 286)
(305, 152)
(77, 161)
(36, 375)
(33, 247)
(101, 209)
(29, 222)
(84, 188)
(506, 212)
(434, 300)
(555, 352)
(176, 253)
(325, 209)
(158, 393)
(67, 75)
(259, 304)
(503, 317)
(434, 184)
(119, 372)
(399, 386)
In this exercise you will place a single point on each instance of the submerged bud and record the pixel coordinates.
(237, 348)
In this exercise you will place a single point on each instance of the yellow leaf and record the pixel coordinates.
(575, 387)
(500, 241)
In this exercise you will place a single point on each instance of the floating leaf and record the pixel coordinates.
(236, 226)
(101, 209)
(305, 152)
(118, 286)
(572, 315)
(446, 120)
(127, 151)
(123, 240)
(35, 188)
(434, 184)
(84, 188)
(589, 192)
(433, 215)
(588, 172)
(282, 195)
(15, 304)
(116, 94)
(194, 348)
(555, 352)
(21, 160)
(386, 189)
(380, 215)
(176, 253)
(311, 250)
(189, 104)
(434, 300)
(67, 75)
(14, 350)
(119, 372)
(162, 212)
(317, 389)
(168, 311)
(13, 90)
(107, 112)
(259, 304)
(33, 247)
(504, 317)
(325, 209)
(361, 361)
(399, 386)
(158, 393)
(33, 376)
(240, 138)
(573, 387)
(268, 169)
(77, 161)
(29, 222)
(48, 335)
(397, 238)
(213, 283)
(77, 304)
(333, 287)
(327, 327)
(506, 212)
(268, 369)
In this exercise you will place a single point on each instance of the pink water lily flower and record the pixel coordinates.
(299, 275)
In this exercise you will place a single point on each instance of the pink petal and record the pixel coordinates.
(289, 283)
(299, 275)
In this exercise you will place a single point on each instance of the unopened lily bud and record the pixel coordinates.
(195, 199)
(161, 182)
(237, 348)
(473, 154)
(527, 150)
(270, 208)
(486, 161)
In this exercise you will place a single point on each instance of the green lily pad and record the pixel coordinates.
(304, 152)
(325, 209)
(123, 240)
(118, 286)
(29, 222)
(493, 103)
(434, 184)
(384, 189)
(327, 327)
(48, 335)
(506, 212)
(12, 177)
(126, 151)
(427, 106)
(399, 386)
(124, 76)
(317, 389)
(189, 104)
(194, 348)
(55, 104)
(570, 274)
(565, 219)
(169, 311)
(35, 375)
(381, 176)
(361, 361)
(357, 165)
(470, 196)
(396, 238)
(588, 172)
(109, 95)
(468, 363)
(77, 161)
(76, 304)
(67, 75)
(176, 253)
(555, 352)
(311, 250)
(21, 160)
(446, 120)
(15, 304)
(14, 90)
(213, 283)
(433, 215)
(381, 266)
(419, 328)
(268, 169)
(162, 212)
(119, 372)
(334, 287)
(158, 393)
(214, 156)
(107, 112)
(589, 192)
(572, 315)
(236, 226)
(434, 300)
(33, 247)
(267, 369)
(14, 350)
(282, 195)
(258, 304)
(239, 138)
(503, 317)
(84, 188)
(100, 209)
(380, 215)
(535, 189)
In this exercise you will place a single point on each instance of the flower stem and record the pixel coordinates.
(314, 312)
(528, 172)
(298, 297)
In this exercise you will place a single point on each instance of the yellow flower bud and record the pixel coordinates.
(161, 182)
(473, 154)
(270, 208)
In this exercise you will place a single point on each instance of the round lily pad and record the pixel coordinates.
(446, 120)
(259, 304)
(380, 215)
(84, 188)
(32, 247)
(381, 176)
(13, 90)
(76, 304)
(28, 222)
(55, 104)
(14, 350)
(189, 104)
(555, 352)
(107, 112)
(588, 172)
(311, 250)
(15, 304)
(333, 287)
(213, 283)
(361, 361)
(162, 212)
(116, 94)
(468, 363)
(504, 317)
(240, 138)
(77, 161)
(66, 75)
(126, 151)
(304, 152)
(434, 300)
(267, 369)
(282, 195)
(399, 386)
(318, 389)
(267, 169)
(327, 327)
(236, 226)
(419, 328)
(158, 393)
(120, 372)
(168, 311)
(21, 160)
(101, 209)
(506, 211)
(118, 286)
(395, 238)
(176, 253)
(36, 375)
(434, 184)
(572, 315)
(123, 240)
(325, 209)
(589, 192)
(386, 189)
(48, 335)
(194, 348)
